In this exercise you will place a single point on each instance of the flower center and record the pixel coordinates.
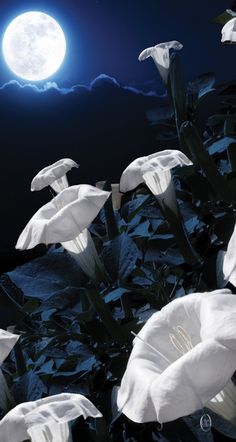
(182, 343)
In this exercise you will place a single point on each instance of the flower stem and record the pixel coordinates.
(103, 311)
(181, 236)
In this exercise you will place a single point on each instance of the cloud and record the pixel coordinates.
(100, 81)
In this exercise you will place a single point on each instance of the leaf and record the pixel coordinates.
(114, 295)
(28, 387)
(202, 84)
(141, 230)
(132, 208)
(222, 18)
(43, 276)
(11, 311)
(220, 145)
(120, 256)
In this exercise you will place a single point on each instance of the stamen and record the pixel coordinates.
(185, 337)
(177, 345)
(186, 340)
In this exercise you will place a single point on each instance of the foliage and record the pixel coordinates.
(75, 336)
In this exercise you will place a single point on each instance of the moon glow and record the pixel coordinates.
(34, 46)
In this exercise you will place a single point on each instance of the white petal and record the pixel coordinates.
(83, 250)
(146, 53)
(226, 263)
(158, 161)
(64, 217)
(6, 399)
(161, 56)
(229, 31)
(224, 403)
(132, 175)
(51, 173)
(165, 160)
(7, 342)
(60, 408)
(183, 357)
(53, 432)
(191, 381)
(162, 187)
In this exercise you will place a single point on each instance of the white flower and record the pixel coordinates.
(53, 175)
(46, 420)
(161, 56)
(7, 342)
(183, 360)
(226, 263)
(229, 31)
(154, 170)
(65, 220)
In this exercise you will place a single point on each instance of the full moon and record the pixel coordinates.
(34, 46)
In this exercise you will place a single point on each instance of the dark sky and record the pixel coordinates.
(100, 123)
(106, 36)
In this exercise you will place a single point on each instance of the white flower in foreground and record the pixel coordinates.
(46, 420)
(155, 171)
(54, 175)
(63, 219)
(161, 56)
(7, 342)
(182, 360)
(229, 31)
(226, 263)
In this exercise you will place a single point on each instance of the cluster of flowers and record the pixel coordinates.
(185, 355)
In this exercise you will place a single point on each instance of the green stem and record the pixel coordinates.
(111, 225)
(181, 236)
(177, 90)
(195, 145)
(105, 315)
(20, 360)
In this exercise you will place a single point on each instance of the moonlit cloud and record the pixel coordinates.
(99, 82)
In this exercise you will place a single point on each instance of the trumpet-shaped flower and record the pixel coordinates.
(155, 171)
(161, 56)
(47, 419)
(63, 219)
(54, 175)
(183, 360)
(229, 31)
(226, 263)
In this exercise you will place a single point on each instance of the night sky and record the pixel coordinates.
(95, 111)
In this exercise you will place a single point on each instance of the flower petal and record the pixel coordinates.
(158, 161)
(161, 56)
(191, 381)
(7, 342)
(60, 408)
(229, 31)
(64, 217)
(226, 263)
(51, 173)
(183, 356)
